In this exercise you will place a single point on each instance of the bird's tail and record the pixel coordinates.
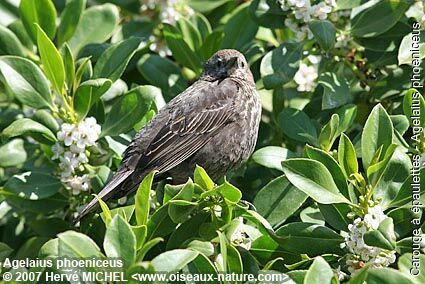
(106, 193)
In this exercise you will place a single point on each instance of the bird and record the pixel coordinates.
(213, 123)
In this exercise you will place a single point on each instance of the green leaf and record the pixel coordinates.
(404, 195)
(336, 90)
(279, 66)
(114, 60)
(319, 272)
(267, 13)
(387, 276)
(12, 153)
(26, 81)
(142, 199)
(201, 178)
(46, 118)
(77, 245)
(413, 97)
(44, 206)
(26, 126)
(120, 241)
(393, 176)
(160, 223)
(181, 50)
(95, 26)
(204, 6)
(331, 164)
(297, 125)
(272, 156)
(163, 73)
(314, 179)
(347, 114)
(405, 55)
(5, 251)
(377, 132)
(173, 260)
(33, 185)
(336, 215)
(329, 133)
(69, 65)
(383, 237)
(51, 60)
(129, 109)
(202, 265)
(9, 43)
(234, 260)
(189, 33)
(234, 36)
(378, 18)
(405, 266)
(324, 32)
(70, 18)
(146, 247)
(298, 238)
(41, 12)
(87, 94)
(189, 230)
(347, 157)
(211, 44)
(278, 200)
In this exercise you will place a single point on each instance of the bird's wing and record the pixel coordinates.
(192, 121)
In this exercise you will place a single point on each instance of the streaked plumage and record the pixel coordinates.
(213, 123)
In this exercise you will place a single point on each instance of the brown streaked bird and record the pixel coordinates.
(213, 123)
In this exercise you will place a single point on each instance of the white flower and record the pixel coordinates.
(321, 10)
(303, 13)
(78, 184)
(305, 78)
(342, 40)
(57, 150)
(375, 215)
(299, 3)
(292, 25)
(331, 2)
(67, 134)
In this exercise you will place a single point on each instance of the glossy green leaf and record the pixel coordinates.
(26, 126)
(234, 36)
(297, 125)
(298, 237)
(280, 65)
(51, 60)
(387, 276)
(26, 81)
(278, 200)
(181, 50)
(201, 178)
(211, 44)
(120, 241)
(95, 26)
(41, 12)
(70, 18)
(414, 98)
(347, 157)
(9, 43)
(162, 73)
(314, 179)
(377, 132)
(336, 90)
(12, 153)
(173, 260)
(77, 245)
(88, 93)
(114, 60)
(324, 32)
(383, 237)
(319, 272)
(378, 18)
(272, 156)
(142, 199)
(129, 110)
(33, 185)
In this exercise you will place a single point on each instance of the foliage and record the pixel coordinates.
(329, 183)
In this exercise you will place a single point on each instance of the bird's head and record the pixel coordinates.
(227, 63)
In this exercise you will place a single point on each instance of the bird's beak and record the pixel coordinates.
(231, 62)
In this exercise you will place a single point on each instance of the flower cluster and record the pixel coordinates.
(305, 78)
(303, 11)
(361, 253)
(170, 11)
(240, 237)
(72, 150)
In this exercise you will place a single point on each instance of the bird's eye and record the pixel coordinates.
(220, 63)
(242, 64)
